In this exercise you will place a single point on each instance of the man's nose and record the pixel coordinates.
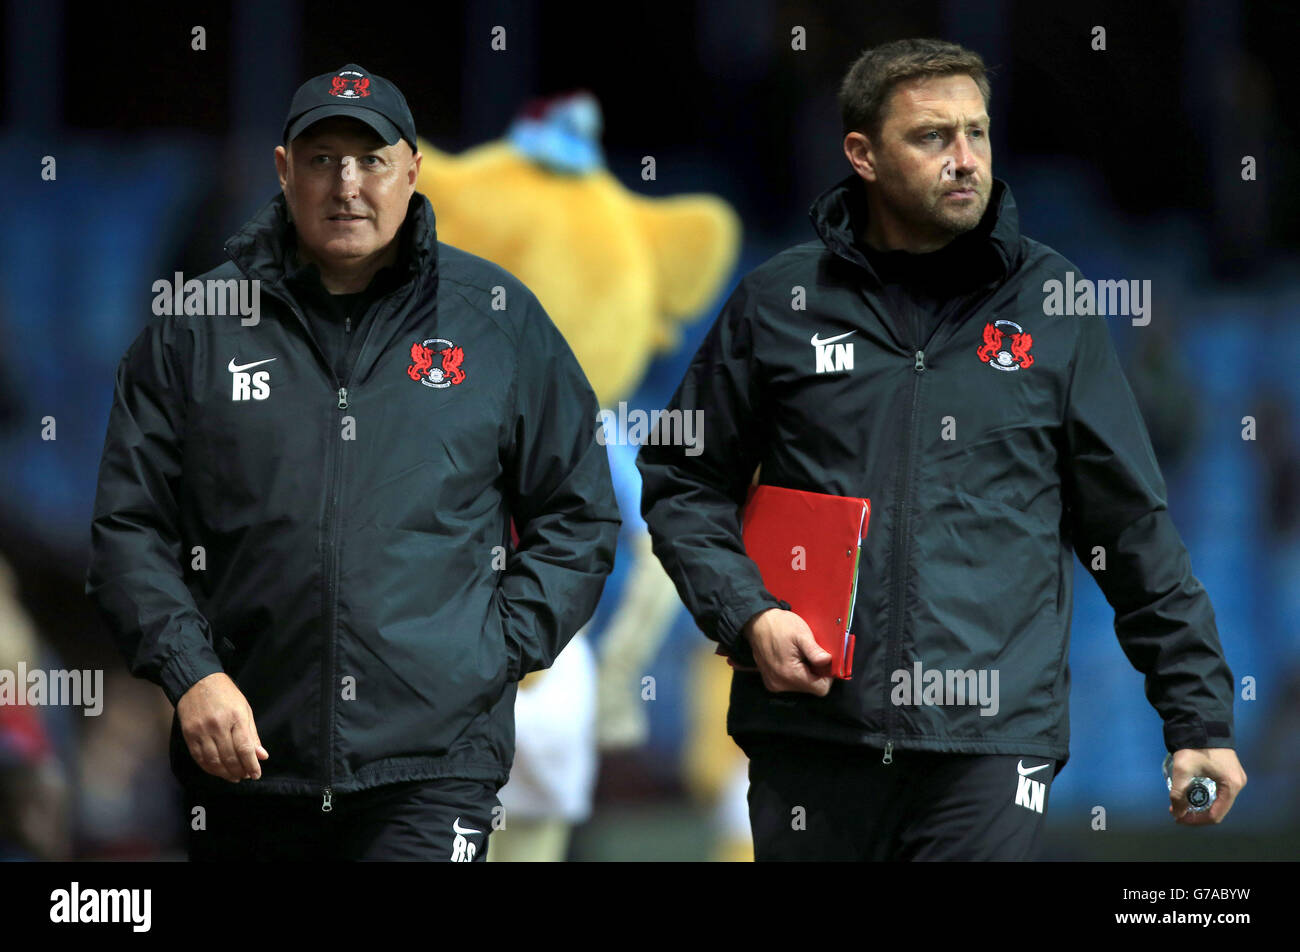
(346, 183)
(963, 157)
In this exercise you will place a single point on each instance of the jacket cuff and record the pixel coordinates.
(731, 642)
(1194, 733)
(185, 669)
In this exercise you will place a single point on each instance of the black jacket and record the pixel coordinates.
(987, 457)
(355, 577)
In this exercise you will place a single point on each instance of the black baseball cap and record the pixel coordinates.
(356, 92)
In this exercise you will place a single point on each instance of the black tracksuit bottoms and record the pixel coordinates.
(811, 800)
(445, 820)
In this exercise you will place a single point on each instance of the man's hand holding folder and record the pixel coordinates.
(806, 545)
(788, 656)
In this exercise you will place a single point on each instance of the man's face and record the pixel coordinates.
(931, 168)
(347, 191)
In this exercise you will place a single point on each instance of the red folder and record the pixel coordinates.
(807, 546)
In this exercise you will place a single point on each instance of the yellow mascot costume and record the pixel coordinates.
(618, 273)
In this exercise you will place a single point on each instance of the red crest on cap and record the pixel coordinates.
(350, 88)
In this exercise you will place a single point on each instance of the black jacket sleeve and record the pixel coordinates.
(691, 496)
(561, 497)
(1116, 499)
(136, 574)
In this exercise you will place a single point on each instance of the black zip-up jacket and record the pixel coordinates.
(989, 451)
(341, 548)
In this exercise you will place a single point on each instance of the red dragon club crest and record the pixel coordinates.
(994, 353)
(447, 374)
(349, 88)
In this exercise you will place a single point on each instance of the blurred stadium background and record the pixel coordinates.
(1128, 161)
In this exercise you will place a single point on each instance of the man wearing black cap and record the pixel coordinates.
(355, 163)
(303, 527)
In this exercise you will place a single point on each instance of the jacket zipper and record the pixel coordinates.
(331, 550)
(331, 630)
(331, 547)
(902, 539)
(330, 568)
(901, 536)
(902, 553)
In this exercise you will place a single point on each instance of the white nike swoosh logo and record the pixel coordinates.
(817, 342)
(235, 368)
(1020, 767)
(456, 828)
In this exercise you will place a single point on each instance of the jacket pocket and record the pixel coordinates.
(230, 656)
(494, 632)
(422, 682)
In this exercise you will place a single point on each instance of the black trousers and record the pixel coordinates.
(818, 801)
(445, 820)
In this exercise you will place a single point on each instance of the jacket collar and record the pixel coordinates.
(264, 247)
(839, 216)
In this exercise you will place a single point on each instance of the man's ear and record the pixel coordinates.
(413, 171)
(282, 165)
(861, 154)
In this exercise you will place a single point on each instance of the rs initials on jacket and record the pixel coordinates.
(249, 386)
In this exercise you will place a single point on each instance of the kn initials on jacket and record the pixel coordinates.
(991, 450)
(342, 549)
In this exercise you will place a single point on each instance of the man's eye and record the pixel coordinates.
(932, 132)
(368, 160)
(319, 159)
(977, 133)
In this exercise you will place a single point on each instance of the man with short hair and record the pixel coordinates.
(906, 356)
(303, 526)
